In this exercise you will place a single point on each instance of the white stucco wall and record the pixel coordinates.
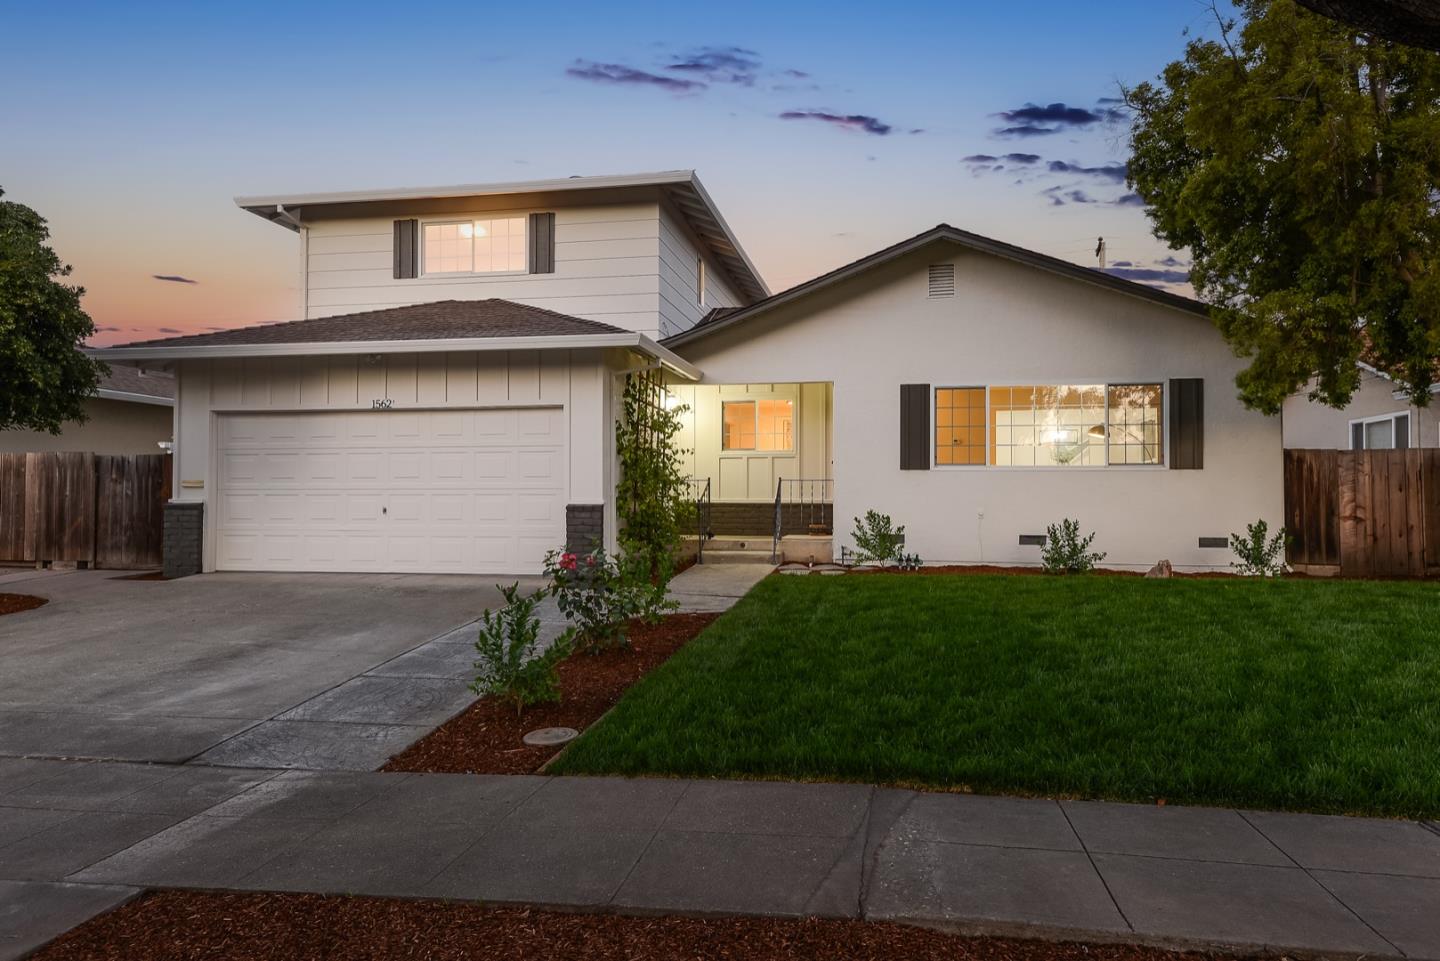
(582, 382)
(1309, 424)
(1010, 324)
(114, 427)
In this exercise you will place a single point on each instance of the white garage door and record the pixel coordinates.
(463, 491)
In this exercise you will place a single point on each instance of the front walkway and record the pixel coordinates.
(77, 837)
(715, 588)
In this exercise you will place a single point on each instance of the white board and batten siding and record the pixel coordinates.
(606, 267)
(680, 302)
(752, 475)
(465, 466)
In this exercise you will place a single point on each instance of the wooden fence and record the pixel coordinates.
(102, 510)
(1364, 513)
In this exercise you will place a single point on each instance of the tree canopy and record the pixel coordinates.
(44, 378)
(1299, 161)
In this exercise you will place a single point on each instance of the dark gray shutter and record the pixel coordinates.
(1357, 436)
(1402, 432)
(914, 426)
(542, 243)
(407, 249)
(1187, 424)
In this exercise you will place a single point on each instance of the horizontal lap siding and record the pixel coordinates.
(679, 306)
(605, 268)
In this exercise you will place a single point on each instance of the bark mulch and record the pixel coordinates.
(191, 926)
(486, 737)
(15, 603)
(1030, 571)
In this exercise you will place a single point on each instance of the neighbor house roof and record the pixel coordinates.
(722, 318)
(138, 386)
(682, 187)
(446, 325)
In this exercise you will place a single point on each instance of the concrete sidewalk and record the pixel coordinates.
(77, 837)
(715, 588)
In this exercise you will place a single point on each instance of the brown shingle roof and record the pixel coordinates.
(441, 320)
(130, 380)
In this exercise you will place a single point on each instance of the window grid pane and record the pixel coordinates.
(476, 246)
(1048, 425)
(737, 425)
(960, 426)
(775, 427)
(1136, 432)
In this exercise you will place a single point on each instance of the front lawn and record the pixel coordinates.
(1297, 694)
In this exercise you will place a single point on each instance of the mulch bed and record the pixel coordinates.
(1030, 571)
(486, 738)
(15, 603)
(190, 926)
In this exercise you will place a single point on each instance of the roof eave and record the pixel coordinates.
(964, 239)
(105, 393)
(622, 339)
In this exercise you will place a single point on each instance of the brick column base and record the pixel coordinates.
(183, 537)
(584, 527)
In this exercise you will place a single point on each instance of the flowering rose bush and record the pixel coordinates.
(596, 595)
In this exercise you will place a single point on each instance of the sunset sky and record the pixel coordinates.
(823, 131)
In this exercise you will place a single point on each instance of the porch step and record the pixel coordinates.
(713, 556)
(760, 542)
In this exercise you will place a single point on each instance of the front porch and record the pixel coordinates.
(760, 461)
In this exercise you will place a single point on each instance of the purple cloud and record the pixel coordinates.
(1146, 275)
(620, 74)
(853, 121)
(1114, 173)
(174, 279)
(720, 64)
(1035, 120)
(1131, 200)
(170, 330)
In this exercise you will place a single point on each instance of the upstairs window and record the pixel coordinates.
(760, 425)
(492, 246)
(1386, 432)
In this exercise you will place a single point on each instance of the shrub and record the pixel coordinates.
(1259, 556)
(1066, 552)
(598, 597)
(652, 494)
(510, 663)
(876, 539)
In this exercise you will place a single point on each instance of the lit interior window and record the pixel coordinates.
(765, 425)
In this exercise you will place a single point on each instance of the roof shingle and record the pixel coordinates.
(440, 320)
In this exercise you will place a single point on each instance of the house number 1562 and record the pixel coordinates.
(380, 403)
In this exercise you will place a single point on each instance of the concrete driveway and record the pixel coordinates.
(252, 670)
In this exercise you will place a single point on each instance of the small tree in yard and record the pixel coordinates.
(877, 539)
(652, 494)
(44, 378)
(1260, 554)
(511, 666)
(1066, 552)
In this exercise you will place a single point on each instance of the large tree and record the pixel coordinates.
(1298, 159)
(44, 378)
(1416, 22)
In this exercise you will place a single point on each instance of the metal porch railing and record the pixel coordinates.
(809, 501)
(700, 497)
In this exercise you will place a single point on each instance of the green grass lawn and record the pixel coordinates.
(1298, 694)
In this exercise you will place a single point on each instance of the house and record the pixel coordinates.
(131, 413)
(447, 401)
(1380, 416)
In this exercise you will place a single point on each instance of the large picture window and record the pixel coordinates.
(1050, 425)
(760, 425)
(476, 246)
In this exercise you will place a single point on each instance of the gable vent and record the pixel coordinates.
(942, 280)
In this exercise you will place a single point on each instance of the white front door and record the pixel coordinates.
(432, 491)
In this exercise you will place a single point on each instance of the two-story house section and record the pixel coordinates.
(643, 252)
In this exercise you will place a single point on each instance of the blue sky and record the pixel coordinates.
(824, 131)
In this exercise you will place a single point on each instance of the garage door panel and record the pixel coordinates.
(480, 491)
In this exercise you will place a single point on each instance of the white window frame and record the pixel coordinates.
(441, 221)
(1392, 416)
(755, 399)
(1117, 382)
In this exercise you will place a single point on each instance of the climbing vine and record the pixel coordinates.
(653, 493)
